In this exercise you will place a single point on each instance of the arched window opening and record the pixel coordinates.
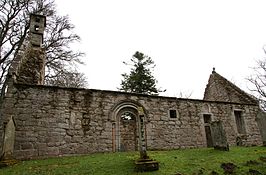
(128, 116)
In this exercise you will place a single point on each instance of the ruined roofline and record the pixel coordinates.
(128, 93)
(228, 86)
(240, 90)
(28, 65)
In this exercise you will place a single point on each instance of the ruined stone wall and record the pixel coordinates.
(52, 121)
(31, 67)
(187, 131)
(220, 89)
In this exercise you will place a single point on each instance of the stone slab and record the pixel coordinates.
(142, 165)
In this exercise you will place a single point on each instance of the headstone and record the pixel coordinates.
(8, 144)
(261, 120)
(219, 136)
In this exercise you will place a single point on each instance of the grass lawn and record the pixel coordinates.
(185, 162)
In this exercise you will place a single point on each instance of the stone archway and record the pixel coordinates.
(125, 126)
(127, 129)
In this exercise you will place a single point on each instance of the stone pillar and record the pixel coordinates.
(144, 163)
(142, 139)
(219, 136)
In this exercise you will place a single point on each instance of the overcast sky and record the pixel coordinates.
(186, 39)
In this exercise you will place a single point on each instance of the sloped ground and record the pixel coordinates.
(239, 160)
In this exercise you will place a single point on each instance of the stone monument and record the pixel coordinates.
(8, 144)
(219, 136)
(144, 163)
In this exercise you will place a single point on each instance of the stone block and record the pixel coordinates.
(142, 165)
(172, 123)
(25, 146)
(219, 136)
(52, 151)
(63, 125)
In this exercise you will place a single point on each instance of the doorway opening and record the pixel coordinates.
(207, 126)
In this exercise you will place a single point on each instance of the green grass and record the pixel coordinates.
(189, 161)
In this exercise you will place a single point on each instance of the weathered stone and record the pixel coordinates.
(219, 136)
(146, 165)
(9, 141)
(261, 119)
(63, 121)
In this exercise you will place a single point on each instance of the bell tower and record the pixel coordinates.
(37, 26)
(31, 62)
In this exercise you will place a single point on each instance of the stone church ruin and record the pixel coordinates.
(44, 121)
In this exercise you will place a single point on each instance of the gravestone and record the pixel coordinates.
(261, 120)
(8, 144)
(144, 163)
(219, 136)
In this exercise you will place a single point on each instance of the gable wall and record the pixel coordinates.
(54, 121)
(220, 89)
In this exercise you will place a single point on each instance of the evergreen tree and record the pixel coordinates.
(140, 78)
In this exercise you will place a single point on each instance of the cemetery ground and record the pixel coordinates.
(239, 160)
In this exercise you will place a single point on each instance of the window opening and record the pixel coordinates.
(207, 118)
(36, 28)
(4, 124)
(239, 122)
(172, 113)
(127, 116)
(37, 19)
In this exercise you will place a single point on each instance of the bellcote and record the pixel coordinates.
(37, 26)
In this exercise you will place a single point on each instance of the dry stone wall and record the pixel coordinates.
(52, 121)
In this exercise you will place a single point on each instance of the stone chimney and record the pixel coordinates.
(30, 63)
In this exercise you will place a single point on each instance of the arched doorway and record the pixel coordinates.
(125, 126)
(127, 123)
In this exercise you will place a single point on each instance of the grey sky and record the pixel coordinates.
(186, 39)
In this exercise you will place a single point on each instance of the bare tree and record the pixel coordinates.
(69, 79)
(60, 57)
(14, 26)
(184, 94)
(258, 82)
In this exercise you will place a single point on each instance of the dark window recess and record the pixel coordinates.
(85, 122)
(38, 20)
(207, 118)
(208, 136)
(173, 114)
(239, 122)
(5, 123)
(36, 28)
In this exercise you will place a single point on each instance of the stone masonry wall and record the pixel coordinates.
(52, 121)
(31, 67)
(220, 89)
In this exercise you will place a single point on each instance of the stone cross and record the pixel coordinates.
(142, 140)
(144, 163)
